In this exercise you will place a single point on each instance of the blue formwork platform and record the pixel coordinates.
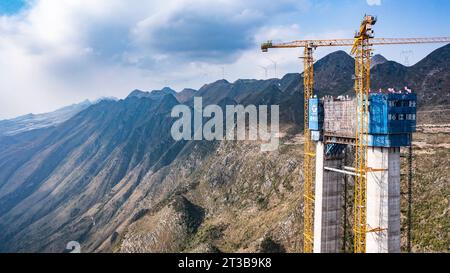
(392, 119)
(392, 113)
(397, 140)
(315, 114)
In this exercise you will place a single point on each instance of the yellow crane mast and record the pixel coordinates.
(308, 156)
(361, 47)
(362, 52)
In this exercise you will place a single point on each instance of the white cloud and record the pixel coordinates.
(374, 2)
(61, 51)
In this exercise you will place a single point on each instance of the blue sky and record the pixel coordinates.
(57, 52)
(11, 6)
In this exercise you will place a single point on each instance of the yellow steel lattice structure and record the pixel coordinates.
(351, 42)
(362, 51)
(308, 157)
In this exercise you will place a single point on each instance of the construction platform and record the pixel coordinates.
(332, 121)
(392, 119)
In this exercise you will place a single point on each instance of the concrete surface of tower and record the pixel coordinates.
(332, 121)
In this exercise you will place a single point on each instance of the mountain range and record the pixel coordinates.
(110, 176)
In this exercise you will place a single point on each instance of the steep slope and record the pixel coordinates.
(431, 190)
(239, 90)
(431, 77)
(214, 92)
(390, 75)
(253, 200)
(166, 230)
(248, 197)
(72, 167)
(268, 96)
(333, 74)
(291, 83)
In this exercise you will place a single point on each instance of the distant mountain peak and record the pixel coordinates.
(185, 94)
(188, 90)
(333, 73)
(112, 98)
(378, 59)
(245, 81)
(168, 90)
(290, 76)
(138, 93)
(155, 94)
(340, 54)
(217, 84)
(220, 82)
(438, 57)
(336, 59)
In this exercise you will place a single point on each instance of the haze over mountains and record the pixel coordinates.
(35, 121)
(9, 127)
(111, 177)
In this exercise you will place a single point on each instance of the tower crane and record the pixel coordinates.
(362, 50)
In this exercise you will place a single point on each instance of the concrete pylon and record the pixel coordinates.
(328, 203)
(383, 200)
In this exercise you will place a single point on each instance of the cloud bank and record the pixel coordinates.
(57, 52)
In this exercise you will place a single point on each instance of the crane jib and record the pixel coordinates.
(350, 42)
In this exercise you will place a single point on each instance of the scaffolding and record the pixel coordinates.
(341, 118)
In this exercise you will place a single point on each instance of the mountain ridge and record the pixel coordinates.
(115, 163)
